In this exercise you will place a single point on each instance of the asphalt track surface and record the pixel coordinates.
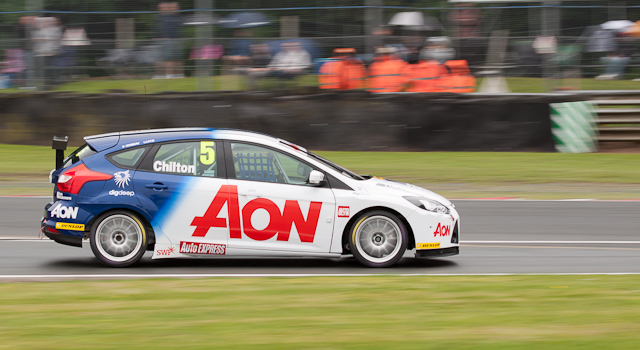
(498, 237)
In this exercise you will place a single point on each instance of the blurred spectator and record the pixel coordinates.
(386, 72)
(422, 75)
(413, 56)
(381, 36)
(465, 21)
(12, 66)
(169, 35)
(616, 62)
(260, 58)
(26, 29)
(615, 65)
(46, 45)
(71, 40)
(344, 71)
(529, 61)
(240, 52)
(438, 48)
(292, 60)
(598, 39)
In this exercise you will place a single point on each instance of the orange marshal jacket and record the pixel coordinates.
(458, 78)
(342, 74)
(424, 76)
(386, 74)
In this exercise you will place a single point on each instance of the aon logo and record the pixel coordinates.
(62, 212)
(280, 223)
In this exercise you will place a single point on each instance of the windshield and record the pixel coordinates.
(343, 171)
(77, 155)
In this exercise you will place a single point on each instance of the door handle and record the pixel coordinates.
(158, 186)
(251, 193)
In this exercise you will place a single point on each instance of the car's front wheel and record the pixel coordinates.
(118, 239)
(378, 239)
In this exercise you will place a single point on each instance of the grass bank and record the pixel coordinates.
(385, 312)
(457, 174)
(238, 82)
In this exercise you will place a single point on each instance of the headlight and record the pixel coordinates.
(428, 204)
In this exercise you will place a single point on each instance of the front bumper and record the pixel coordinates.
(75, 241)
(437, 253)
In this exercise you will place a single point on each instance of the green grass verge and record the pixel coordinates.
(238, 82)
(18, 162)
(385, 312)
(537, 85)
(455, 174)
(224, 82)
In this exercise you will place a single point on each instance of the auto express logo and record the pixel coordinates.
(122, 178)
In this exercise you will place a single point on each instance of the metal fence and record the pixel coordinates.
(123, 40)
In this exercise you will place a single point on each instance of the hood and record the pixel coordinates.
(389, 187)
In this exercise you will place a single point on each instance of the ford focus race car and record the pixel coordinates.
(201, 192)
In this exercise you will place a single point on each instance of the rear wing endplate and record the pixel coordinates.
(60, 145)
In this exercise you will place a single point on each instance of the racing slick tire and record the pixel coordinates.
(378, 239)
(118, 239)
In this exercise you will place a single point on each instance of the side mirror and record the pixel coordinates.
(316, 178)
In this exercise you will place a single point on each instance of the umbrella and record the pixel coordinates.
(618, 26)
(415, 21)
(200, 19)
(241, 20)
(634, 30)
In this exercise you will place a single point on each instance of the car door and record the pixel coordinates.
(277, 209)
(177, 183)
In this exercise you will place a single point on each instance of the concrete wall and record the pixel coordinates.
(320, 121)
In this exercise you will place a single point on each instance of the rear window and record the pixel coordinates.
(82, 152)
(128, 158)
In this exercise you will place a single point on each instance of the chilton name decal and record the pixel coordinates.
(279, 223)
(202, 248)
(173, 167)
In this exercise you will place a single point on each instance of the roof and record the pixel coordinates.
(180, 130)
(101, 142)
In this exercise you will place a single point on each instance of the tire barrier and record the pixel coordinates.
(343, 120)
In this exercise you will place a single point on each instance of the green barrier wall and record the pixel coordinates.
(573, 125)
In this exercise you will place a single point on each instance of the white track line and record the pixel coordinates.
(457, 199)
(36, 239)
(543, 200)
(297, 275)
(551, 242)
(25, 239)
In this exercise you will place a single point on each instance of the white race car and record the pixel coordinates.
(200, 192)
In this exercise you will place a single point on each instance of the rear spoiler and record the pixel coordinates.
(60, 145)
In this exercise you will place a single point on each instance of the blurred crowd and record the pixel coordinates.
(410, 52)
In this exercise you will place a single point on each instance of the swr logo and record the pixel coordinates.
(442, 230)
(279, 223)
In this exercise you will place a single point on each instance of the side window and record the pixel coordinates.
(187, 158)
(262, 164)
(128, 158)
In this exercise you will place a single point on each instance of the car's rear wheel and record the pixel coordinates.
(118, 239)
(378, 239)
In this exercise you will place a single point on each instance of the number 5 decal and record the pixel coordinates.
(207, 152)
